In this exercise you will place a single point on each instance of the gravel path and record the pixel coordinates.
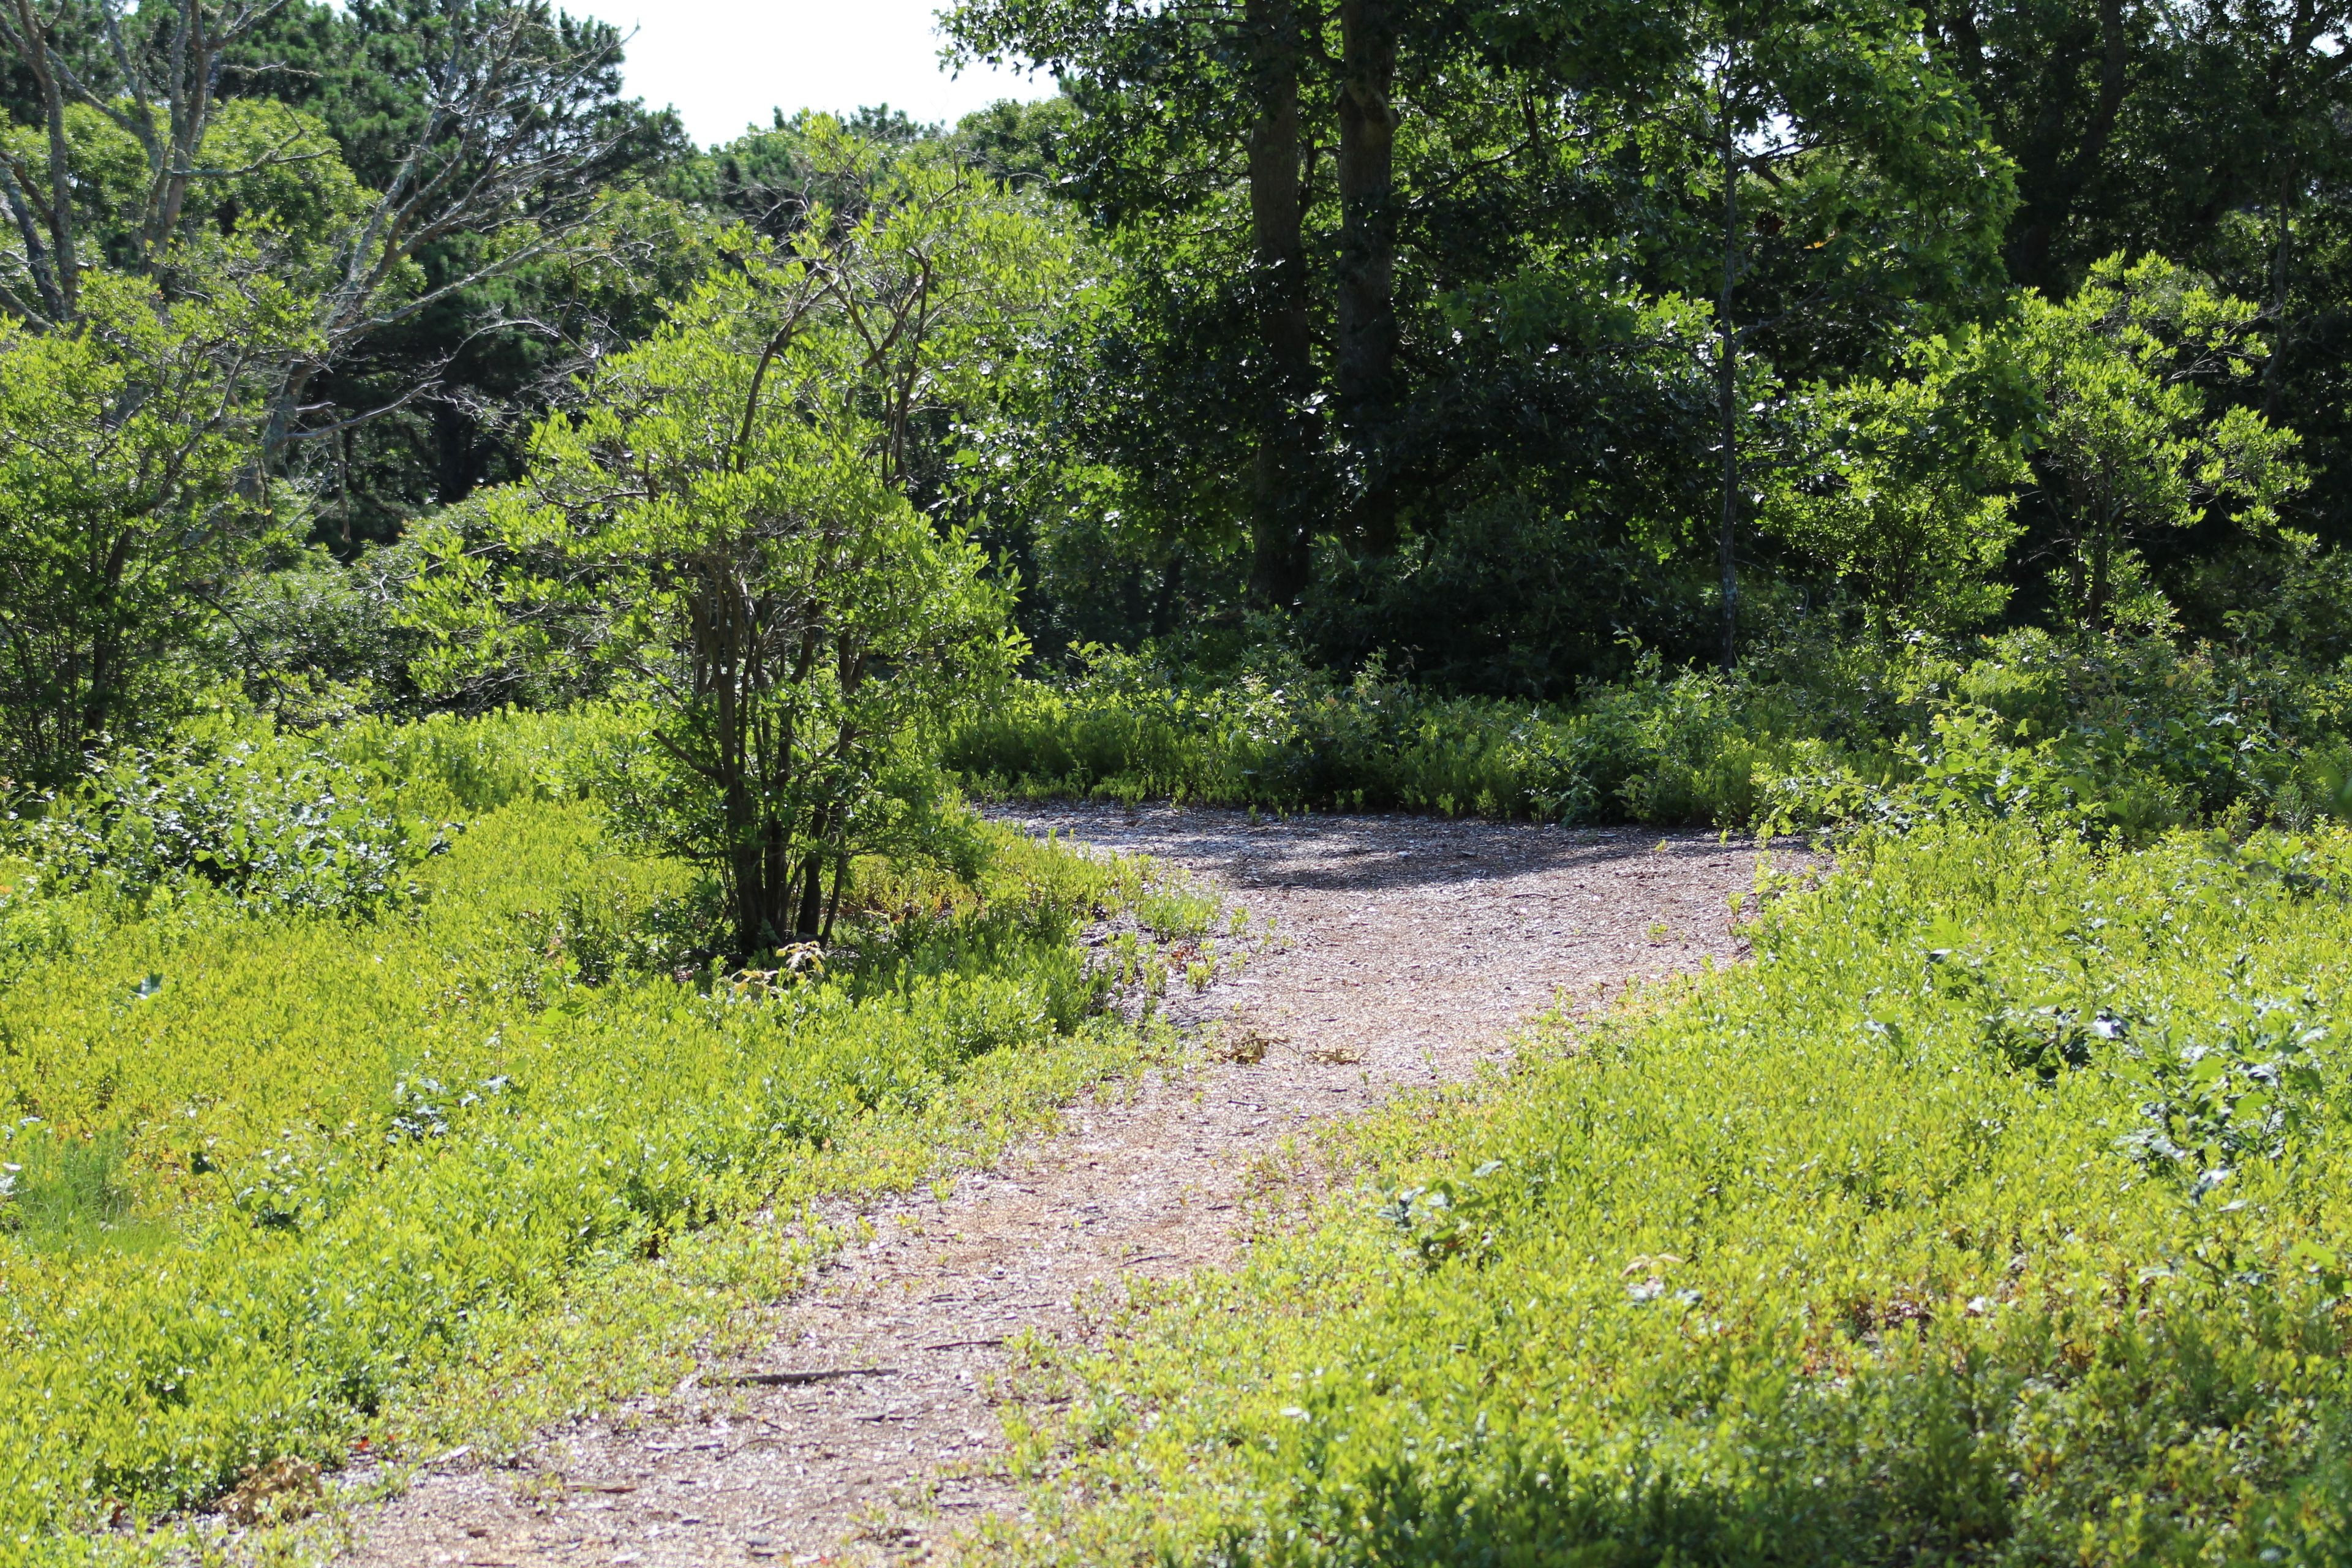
(1408, 949)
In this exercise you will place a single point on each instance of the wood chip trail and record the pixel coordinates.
(1410, 948)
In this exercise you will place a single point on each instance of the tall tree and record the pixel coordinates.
(1853, 187)
(2052, 75)
(1191, 113)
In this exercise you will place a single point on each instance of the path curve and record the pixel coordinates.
(1409, 948)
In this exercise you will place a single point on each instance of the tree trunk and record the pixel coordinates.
(109, 653)
(190, 112)
(1726, 386)
(2281, 287)
(1364, 358)
(1282, 474)
(64, 259)
(833, 903)
(2049, 201)
(728, 674)
(809, 926)
(1163, 609)
(2100, 590)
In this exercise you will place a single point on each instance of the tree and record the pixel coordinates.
(2127, 443)
(1308, 196)
(1189, 111)
(727, 527)
(2213, 134)
(1905, 488)
(1851, 181)
(497, 133)
(2138, 126)
(129, 494)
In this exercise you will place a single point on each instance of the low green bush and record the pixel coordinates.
(273, 825)
(1999, 1212)
(281, 1173)
(326, 821)
(2125, 736)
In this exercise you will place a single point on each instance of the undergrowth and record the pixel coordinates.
(355, 1097)
(2122, 736)
(1997, 1213)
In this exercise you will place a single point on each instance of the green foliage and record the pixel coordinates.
(283, 1176)
(2125, 736)
(314, 640)
(447, 765)
(270, 176)
(1996, 1213)
(1905, 489)
(273, 825)
(2127, 446)
(128, 495)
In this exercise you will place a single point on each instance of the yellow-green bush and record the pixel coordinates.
(277, 1176)
(2000, 1211)
(2120, 736)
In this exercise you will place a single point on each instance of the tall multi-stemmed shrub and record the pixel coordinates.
(727, 528)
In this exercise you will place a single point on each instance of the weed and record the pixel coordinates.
(66, 1194)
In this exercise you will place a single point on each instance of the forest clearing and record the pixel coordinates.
(1405, 950)
(1400, 781)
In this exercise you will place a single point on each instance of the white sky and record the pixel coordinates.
(726, 64)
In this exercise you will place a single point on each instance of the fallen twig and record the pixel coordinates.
(783, 1379)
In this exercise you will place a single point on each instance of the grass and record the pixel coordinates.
(295, 1184)
(1999, 1213)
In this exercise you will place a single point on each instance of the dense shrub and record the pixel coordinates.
(272, 824)
(2120, 735)
(1997, 1213)
(314, 641)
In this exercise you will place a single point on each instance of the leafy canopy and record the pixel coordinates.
(127, 494)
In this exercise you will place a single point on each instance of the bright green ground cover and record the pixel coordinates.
(2000, 1211)
(455, 1153)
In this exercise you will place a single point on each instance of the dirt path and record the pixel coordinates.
(1413, 948)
